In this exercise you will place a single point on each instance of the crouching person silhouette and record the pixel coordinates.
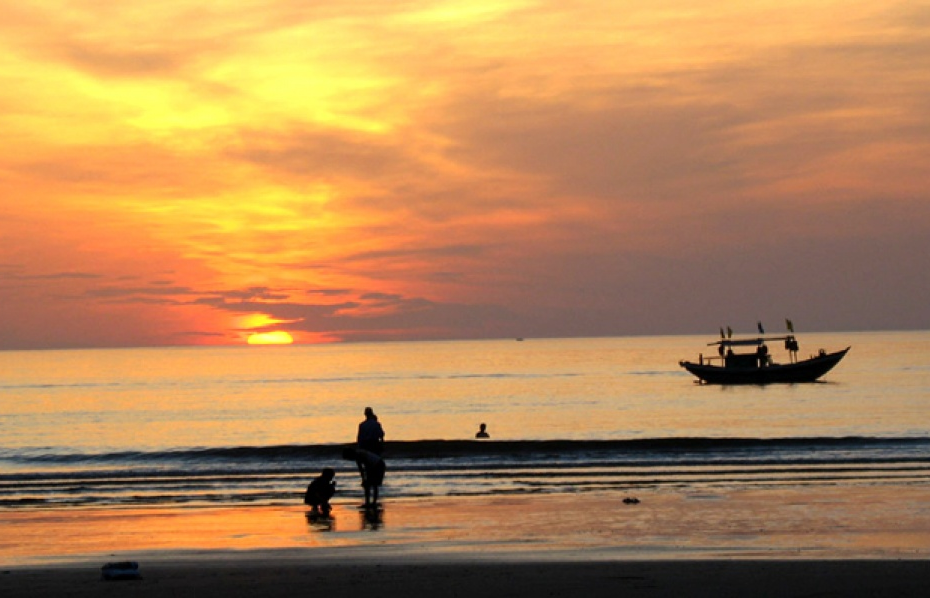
(320, 491)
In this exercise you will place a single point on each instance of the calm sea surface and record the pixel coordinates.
(250, 425)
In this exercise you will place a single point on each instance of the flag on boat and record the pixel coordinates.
(790, 325)
(761, 329)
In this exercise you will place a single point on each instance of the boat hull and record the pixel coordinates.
(808, 370)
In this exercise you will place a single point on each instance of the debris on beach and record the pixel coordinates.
(120, 571)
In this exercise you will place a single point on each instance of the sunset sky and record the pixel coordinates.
(181, 172)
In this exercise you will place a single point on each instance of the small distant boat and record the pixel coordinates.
(757, 366)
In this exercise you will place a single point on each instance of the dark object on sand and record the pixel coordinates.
(757, 367)
(123, 570)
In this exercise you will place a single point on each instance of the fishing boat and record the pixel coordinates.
(734, 365)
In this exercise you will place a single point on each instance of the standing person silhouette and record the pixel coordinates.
(371, 467)
(367, 455)
(370, 433)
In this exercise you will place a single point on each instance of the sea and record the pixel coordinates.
(252, 425)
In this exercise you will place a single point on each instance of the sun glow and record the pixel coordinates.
(277, 337)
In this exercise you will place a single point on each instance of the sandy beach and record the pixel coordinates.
(835, 541)
(251, 575)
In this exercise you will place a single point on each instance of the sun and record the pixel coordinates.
(277, 337)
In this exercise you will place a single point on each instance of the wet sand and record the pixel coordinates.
(825, 540)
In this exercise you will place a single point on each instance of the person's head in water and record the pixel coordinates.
(482, 431)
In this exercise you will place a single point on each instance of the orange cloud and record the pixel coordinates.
(370, 171)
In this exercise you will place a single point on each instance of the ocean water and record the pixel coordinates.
(252, 425)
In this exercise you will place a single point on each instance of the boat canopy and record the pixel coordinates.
(745, 342)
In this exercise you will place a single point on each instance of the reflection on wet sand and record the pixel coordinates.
(372, 518)
(319, 522)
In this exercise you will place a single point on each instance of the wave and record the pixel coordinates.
(52, 385)
(277, 474)
(285, 381)
(666, 444)
(454, 455)
(414, 449)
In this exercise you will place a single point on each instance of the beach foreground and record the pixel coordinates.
(272, 577)
(798, 541)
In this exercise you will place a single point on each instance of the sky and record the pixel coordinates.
(202, 173)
